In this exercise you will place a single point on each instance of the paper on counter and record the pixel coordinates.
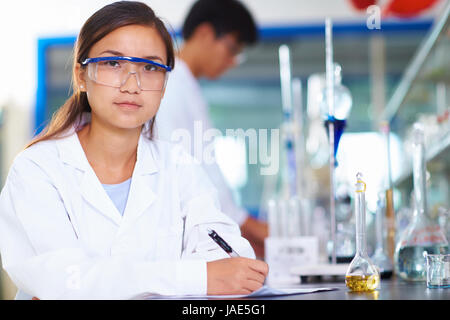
(264, 291)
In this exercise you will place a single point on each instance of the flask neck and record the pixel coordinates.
(360, 210)
(379, 226)
(419, 176)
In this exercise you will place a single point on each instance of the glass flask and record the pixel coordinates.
(380, 258)
(423, 235)
(342, 97)
(342, 106)
(362, 275)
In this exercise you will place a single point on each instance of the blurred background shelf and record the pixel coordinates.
(423, 95)
(437, 151)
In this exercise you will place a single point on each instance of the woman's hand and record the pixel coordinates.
(235, 275)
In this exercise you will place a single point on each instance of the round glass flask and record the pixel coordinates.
(362, 275)
(342, 106)
(423, 235)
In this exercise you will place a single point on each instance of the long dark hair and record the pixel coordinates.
(101, 23)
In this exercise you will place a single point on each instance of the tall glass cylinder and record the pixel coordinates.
(389, 196)
(380, 257)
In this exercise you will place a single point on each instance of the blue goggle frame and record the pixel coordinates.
(132, 59)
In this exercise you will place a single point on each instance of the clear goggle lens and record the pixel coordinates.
(115, 73)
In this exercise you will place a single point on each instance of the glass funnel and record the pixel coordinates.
(423, 235)
(362, 275)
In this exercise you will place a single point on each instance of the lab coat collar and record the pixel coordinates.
(140, 197)
(72, 153)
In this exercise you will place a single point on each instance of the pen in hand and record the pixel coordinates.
(222, 243)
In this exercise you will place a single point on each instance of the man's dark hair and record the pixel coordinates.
(225, 16)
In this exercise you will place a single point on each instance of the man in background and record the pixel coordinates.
(214, 34)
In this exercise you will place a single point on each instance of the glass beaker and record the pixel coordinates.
(422, 235)
(362, 275)
(438, 270)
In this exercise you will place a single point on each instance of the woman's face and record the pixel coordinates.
(127, 107)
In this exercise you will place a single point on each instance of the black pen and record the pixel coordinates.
(222, 243)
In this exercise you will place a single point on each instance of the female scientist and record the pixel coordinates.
(94, 208)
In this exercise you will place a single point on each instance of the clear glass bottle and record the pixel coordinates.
(423, 235)
(362, 275)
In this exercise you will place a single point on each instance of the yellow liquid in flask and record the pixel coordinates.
(362, 283)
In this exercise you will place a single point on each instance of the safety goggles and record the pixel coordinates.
(115, 72)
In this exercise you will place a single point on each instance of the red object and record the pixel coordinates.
(362, 4)
(407, 8)
(443, 117)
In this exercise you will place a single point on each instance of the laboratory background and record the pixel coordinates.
(363, 162)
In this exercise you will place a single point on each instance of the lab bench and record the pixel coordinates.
(389, 289)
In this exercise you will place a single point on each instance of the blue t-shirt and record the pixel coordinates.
(118, 194)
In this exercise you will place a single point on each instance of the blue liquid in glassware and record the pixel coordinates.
(339, 126)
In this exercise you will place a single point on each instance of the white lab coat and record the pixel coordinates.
(184, 107)
(61, 237)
